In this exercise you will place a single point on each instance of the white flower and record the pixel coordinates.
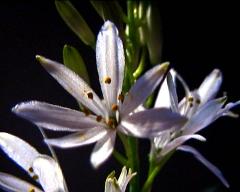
(120, 185)
(41, 168)
(112, 114)
(201, 109)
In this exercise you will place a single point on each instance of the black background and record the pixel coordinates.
(198, 37)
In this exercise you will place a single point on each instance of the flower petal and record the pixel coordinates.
(18, 150)
(49, 174)
(103, 149)
(74, 84)
(179, 141)
(110, 63)
(205, 115)
(78, 139)
(210, 86)
(54, 117)
(205, 162)
(151, 122)
(11, 183)
(144, 86)
(124, 178)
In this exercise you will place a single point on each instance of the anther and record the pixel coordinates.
(110, 122)
(90, 95)
(31, 189)
(99, 118)
(198, 101)
(35, 177)
(190, 105)
(114, 107)
(107, 80)
(86, 111)
(190, 99)
(30, 170)
(121, 97)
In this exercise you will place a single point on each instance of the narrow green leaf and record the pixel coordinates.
(75, 21)
(73, 60)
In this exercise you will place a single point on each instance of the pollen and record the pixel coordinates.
(86, 111)
(90, 95)
(114, 107)
(190, 99)
(35, 177)
(107, 80)
(99, 118)
(30, 170)
(121, 97)
(31, 189)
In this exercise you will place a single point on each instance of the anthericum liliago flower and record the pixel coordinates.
(200, 107)
(42, 168)
(120, 185)
(113, 113)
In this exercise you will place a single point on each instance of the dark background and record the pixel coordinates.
(198, 37)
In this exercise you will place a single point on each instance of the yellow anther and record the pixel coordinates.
(30, 170)
(90, 95)
(198, 101)
(35, 177)
(114, 107)
(190, 99)
(31, 189)
(99, 118)
(121, 97)
(107, 80)
(110, 122)
(86, 111)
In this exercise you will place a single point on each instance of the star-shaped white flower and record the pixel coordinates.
(113, 113)
(42, 168)
(201, 109)
(120, 185)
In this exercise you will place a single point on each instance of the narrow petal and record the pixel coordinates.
(111, 185)
(11, 183)
(205, 162)
(179, 141)
(207, 114)
(54, 117)
(210, 86)
(18, 150)
(74, 84)
(110, 62)
(144, 86)
(124, 178)
(103, 149)
(151, 122)
(79, 138)
(49, 174)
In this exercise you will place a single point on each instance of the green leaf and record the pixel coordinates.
(75, 21)
(73, 60)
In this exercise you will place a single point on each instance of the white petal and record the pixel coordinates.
(124, 178)
(11, 183)
(151, 122)
(205, 162)
(162, 140)
(111, 185)
(110, 62)
(74, 84)
(49, 174)
(210, 86)
(179, 141)
(55, 117)
(18, 150)
(103, 149)
(143, 88)
(78, 139)
(207, 114)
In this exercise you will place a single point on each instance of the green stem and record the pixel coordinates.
(120, 158)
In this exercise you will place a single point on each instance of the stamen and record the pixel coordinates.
(191, 104)
(35, 177)
(190, 99)
(31, 189)
(110, 122)
(30, 170)
(107, 80)
(99, 118)
(86, 111)
(90, 95)
(121, 97)
(198, 101)
(114, 107)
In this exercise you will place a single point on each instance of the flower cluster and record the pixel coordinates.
(122, 112)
